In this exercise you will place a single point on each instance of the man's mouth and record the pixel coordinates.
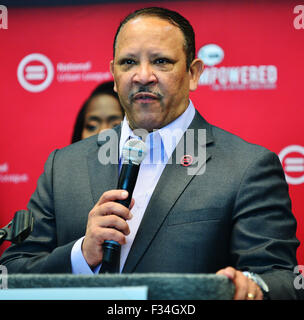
(145, 97)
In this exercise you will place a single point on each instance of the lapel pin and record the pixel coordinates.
(186, 160)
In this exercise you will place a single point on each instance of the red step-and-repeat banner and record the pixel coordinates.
(51, 58)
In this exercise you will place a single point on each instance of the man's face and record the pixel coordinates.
(150, 74)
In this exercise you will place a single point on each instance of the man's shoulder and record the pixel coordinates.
(75, 154)
(226, 141)
(236, 151)
(90, 145)
(235, 143)
(80, 147)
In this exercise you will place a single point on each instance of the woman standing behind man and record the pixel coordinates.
(102, 110)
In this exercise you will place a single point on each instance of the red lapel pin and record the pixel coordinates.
(186, 160)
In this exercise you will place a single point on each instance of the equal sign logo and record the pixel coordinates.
(35, 72)
(294, 165)
(292, 159)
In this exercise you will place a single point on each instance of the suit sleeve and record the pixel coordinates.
(263, 232)
(39, 253)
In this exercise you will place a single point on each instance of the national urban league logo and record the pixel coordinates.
(35, 72)
(292, 159)
(241, 77)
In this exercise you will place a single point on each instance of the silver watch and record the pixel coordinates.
(259, 281)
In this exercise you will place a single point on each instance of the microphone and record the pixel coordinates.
(134, 151)
(19, 228)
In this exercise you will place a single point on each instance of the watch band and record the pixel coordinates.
(259, 281)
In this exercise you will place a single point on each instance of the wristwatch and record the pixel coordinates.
(259, 281)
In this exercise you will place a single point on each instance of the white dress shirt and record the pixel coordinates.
(160, 146)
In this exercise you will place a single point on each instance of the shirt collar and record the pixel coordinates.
(170, 134)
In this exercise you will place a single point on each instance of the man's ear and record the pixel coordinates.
(112, 72)
(195, 71)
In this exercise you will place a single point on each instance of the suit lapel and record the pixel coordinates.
(171, 185)
(103, 174)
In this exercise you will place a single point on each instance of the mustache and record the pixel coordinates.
(145, 89)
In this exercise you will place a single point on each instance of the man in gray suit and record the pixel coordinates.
(234, 219)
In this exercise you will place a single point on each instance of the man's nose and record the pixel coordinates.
(144, 74)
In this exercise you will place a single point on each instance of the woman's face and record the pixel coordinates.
(103, 112)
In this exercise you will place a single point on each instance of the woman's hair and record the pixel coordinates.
(104, 88)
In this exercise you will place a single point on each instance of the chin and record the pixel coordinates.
(148, 124)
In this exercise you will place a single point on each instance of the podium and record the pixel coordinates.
(161, 286)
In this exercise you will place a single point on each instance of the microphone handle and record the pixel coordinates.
(111, 249)
(127, 181)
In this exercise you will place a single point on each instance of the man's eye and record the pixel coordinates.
(161, 61)
(127, 62)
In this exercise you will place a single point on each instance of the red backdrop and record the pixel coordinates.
(252, 85)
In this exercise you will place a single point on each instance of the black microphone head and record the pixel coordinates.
(134, 151)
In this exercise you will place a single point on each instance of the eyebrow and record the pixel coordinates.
(126, 56)
(114, 117)
(110, 118)
(129, 55)
(94, 118)
(159, 53)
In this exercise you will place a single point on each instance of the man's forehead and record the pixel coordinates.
(150, 19)
(151, 25)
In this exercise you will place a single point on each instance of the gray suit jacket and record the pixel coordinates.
(238, 213)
